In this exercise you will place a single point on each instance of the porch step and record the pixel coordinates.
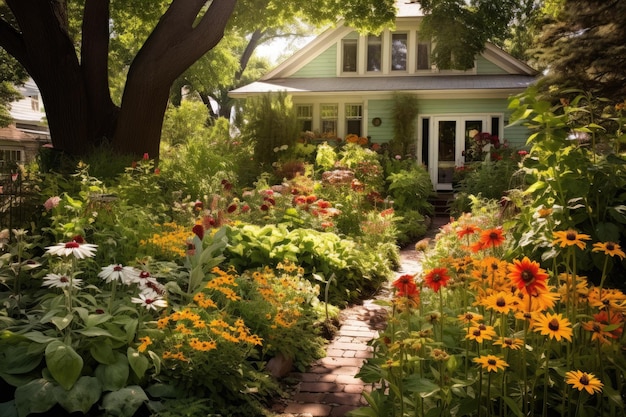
(441, 203)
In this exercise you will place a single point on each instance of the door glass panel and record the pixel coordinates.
(472, 128)
(446, 151)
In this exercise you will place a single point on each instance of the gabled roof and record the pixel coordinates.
(517, 76)
(385, 84)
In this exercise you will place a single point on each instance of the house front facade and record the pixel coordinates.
(345, 83)
(20, 141)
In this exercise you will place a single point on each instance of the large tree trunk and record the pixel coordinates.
(76, 94)
(174, 45)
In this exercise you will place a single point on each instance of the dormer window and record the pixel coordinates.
(399, 49)
(423, 56)
(349, 55)
(374, 53)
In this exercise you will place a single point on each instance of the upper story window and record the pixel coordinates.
(354, 118)
(304, 114)
(328, 113)
(399, 49)
(423, 56)
(34, 103)
(374, 52)
(349, 53)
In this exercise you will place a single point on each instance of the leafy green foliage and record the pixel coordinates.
(575, 171)
(579, 46)
(405, 111)
(357, 272)
(459, 30)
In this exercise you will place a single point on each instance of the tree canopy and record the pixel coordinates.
(584, 47)
(459, 29)
(65, 47)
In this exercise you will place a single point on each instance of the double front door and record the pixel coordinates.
(451, 135)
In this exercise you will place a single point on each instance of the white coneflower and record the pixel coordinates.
(150, 299)
(145, 280)
(117, 272)
(76, 247)
(60, 281)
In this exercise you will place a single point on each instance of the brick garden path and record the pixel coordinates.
(329, 387)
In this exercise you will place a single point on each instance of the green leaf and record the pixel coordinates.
(114, 377)
(20, 358)
(124, 402)
(608, 232)
(422, 385)
(138, 362)
(102, 351)
(82, 396)
(62, 322)
(513, 406)
(8, 409)
(363, 412)
(64, 364)
(94, 332)
(35, 397)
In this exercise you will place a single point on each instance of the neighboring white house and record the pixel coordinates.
(344, 83)
(20, 142)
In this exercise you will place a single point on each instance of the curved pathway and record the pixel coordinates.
(329, 387)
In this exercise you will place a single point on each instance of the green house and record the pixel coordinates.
(344, 83)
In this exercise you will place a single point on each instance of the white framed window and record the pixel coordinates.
(349, 54)
(374, 53)
(304, 114)
(329, 117)
(34, 103)
(399, 50)
(354, 119)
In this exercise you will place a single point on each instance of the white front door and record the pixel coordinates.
(448, 142)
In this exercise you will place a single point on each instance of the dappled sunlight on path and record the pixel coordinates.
(329, 387)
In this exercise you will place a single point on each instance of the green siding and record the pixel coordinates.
(516, 136)
(484, 66)
(324, 65)
(384, 110)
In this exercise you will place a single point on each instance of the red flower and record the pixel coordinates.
(198, 230)
(232, 208)
(245, 208)
(299, 199)
(492, 237)
(405, 286)
(265, 207)
(323, 204)
(528, 276)
(146, 156)
(357, 185)
(311, 199)
(437, 278)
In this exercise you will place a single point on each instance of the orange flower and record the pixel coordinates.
(528, 276)
(609, 248)
(492, 237)
(437, 278)
(467, 230)
(570, 237)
